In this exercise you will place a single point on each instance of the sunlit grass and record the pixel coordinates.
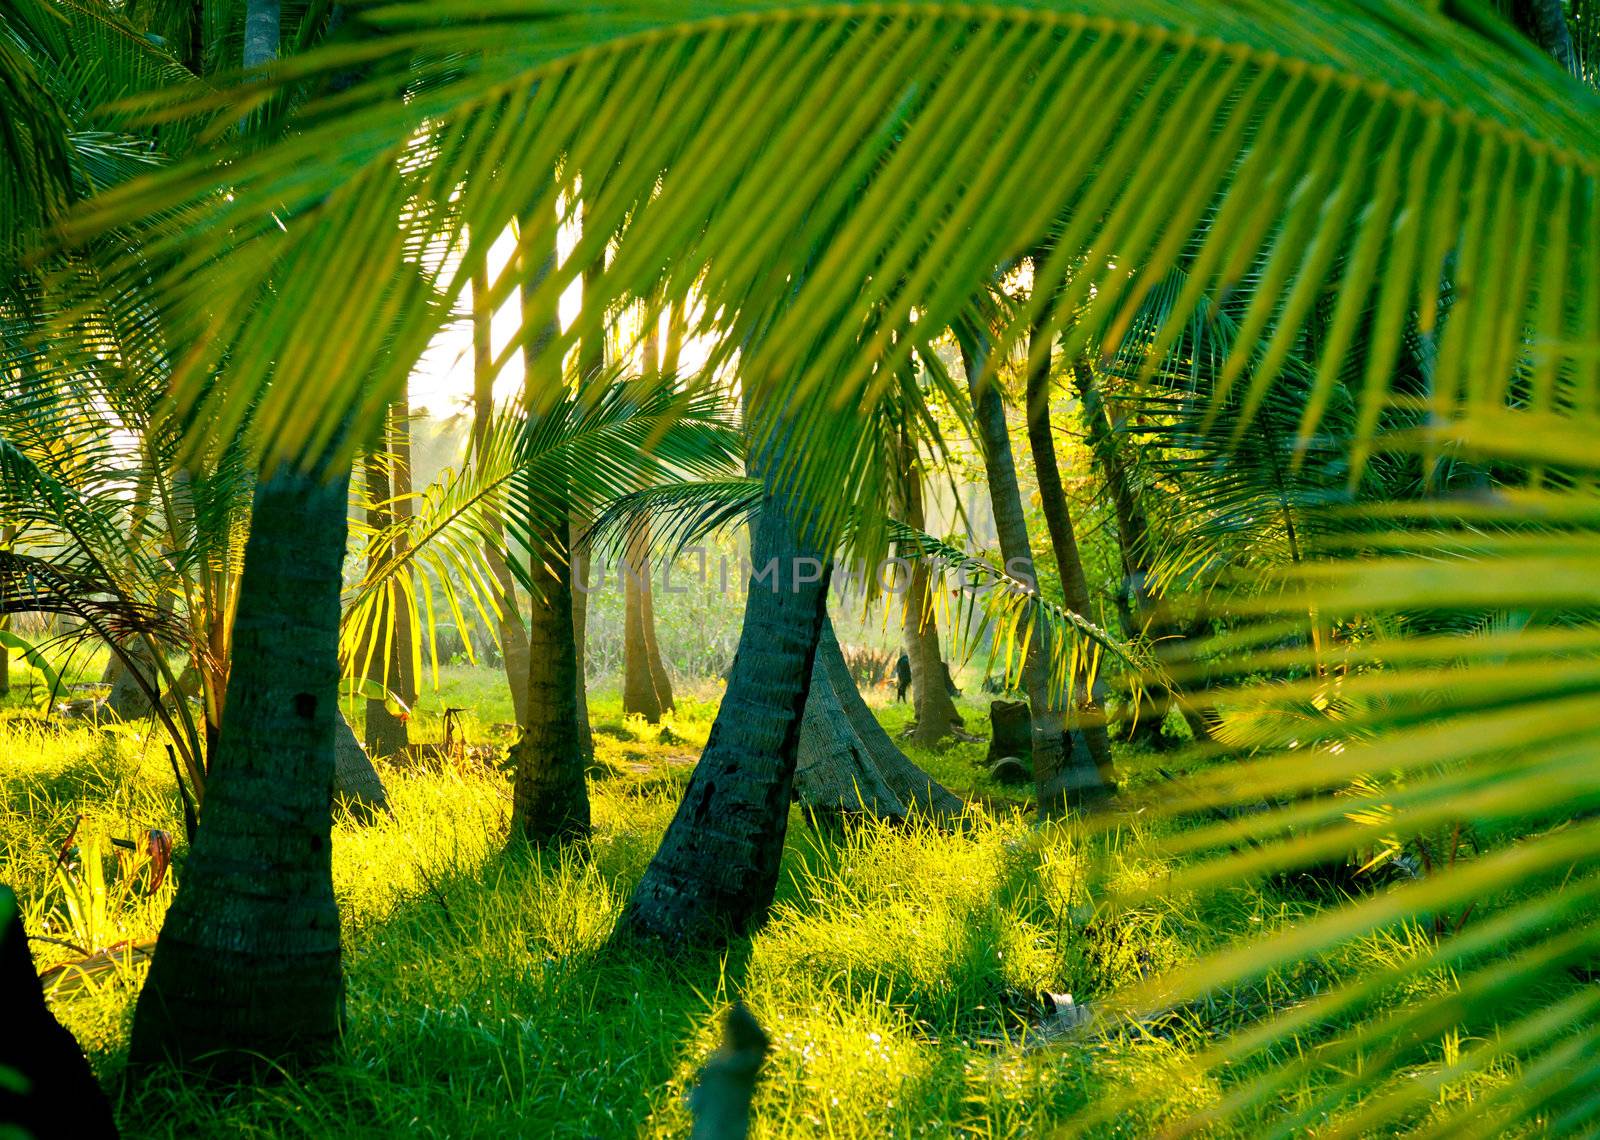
(903, 977)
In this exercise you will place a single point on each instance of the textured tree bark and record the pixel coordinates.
(549, 796)
(61, 1097)
(248, 962)
(846, 760)
(127, 698)
(355, 781)
(385, 729)
(513, 634)
(591, 370)
(639, 695)
(659, 678)
(1062, 769)
(581, 561)
(935, 715)
(717, 866)
(1063, 540)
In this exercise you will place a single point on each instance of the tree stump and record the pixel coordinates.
(1010, 731)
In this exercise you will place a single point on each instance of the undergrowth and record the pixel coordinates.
(905, 975)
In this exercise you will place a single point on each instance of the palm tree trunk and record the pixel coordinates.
(1134, 547)
(660, 679)
(1063, 540)
(1062, 768)
(935, 715)
(846, 760)
(581, 563)
(513, 634)
(591, 369)
(248, 962)
(549, 798)
(717, 866)
(8, 535)
(638, 685)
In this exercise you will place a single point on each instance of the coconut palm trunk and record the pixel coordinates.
(846, 761)
(935, 716)
(1063, 539)
(1063, 772)
(248, 962)
(513, 634)
(549, 796)
(639, 697)
(1134, 547)
(717, 866)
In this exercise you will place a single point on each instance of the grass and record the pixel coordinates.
(902, 976)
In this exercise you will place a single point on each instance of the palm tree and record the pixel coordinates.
(845, 179)
(1063, 542)
(935, 715)
(717, 866)
(1063, 770)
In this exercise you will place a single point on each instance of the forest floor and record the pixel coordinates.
(904, 976)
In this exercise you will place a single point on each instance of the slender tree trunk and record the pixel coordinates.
(660, 679)
(248, 961)
(591, 371)
(549, 796)
(1134, 546)
(1062, 768)
(646, 688)
(581, 566)
(1063, 540)
(717, 866)
(639, 695)
(513, 634)
(385, 729)
(935, 715)
(8, 535)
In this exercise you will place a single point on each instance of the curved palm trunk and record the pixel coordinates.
(1062, 769)
(717, 866)
(846, 761)
(248, 962)
(935, 715)
(1063, 540)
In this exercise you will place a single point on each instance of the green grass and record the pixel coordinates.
(900, 976)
